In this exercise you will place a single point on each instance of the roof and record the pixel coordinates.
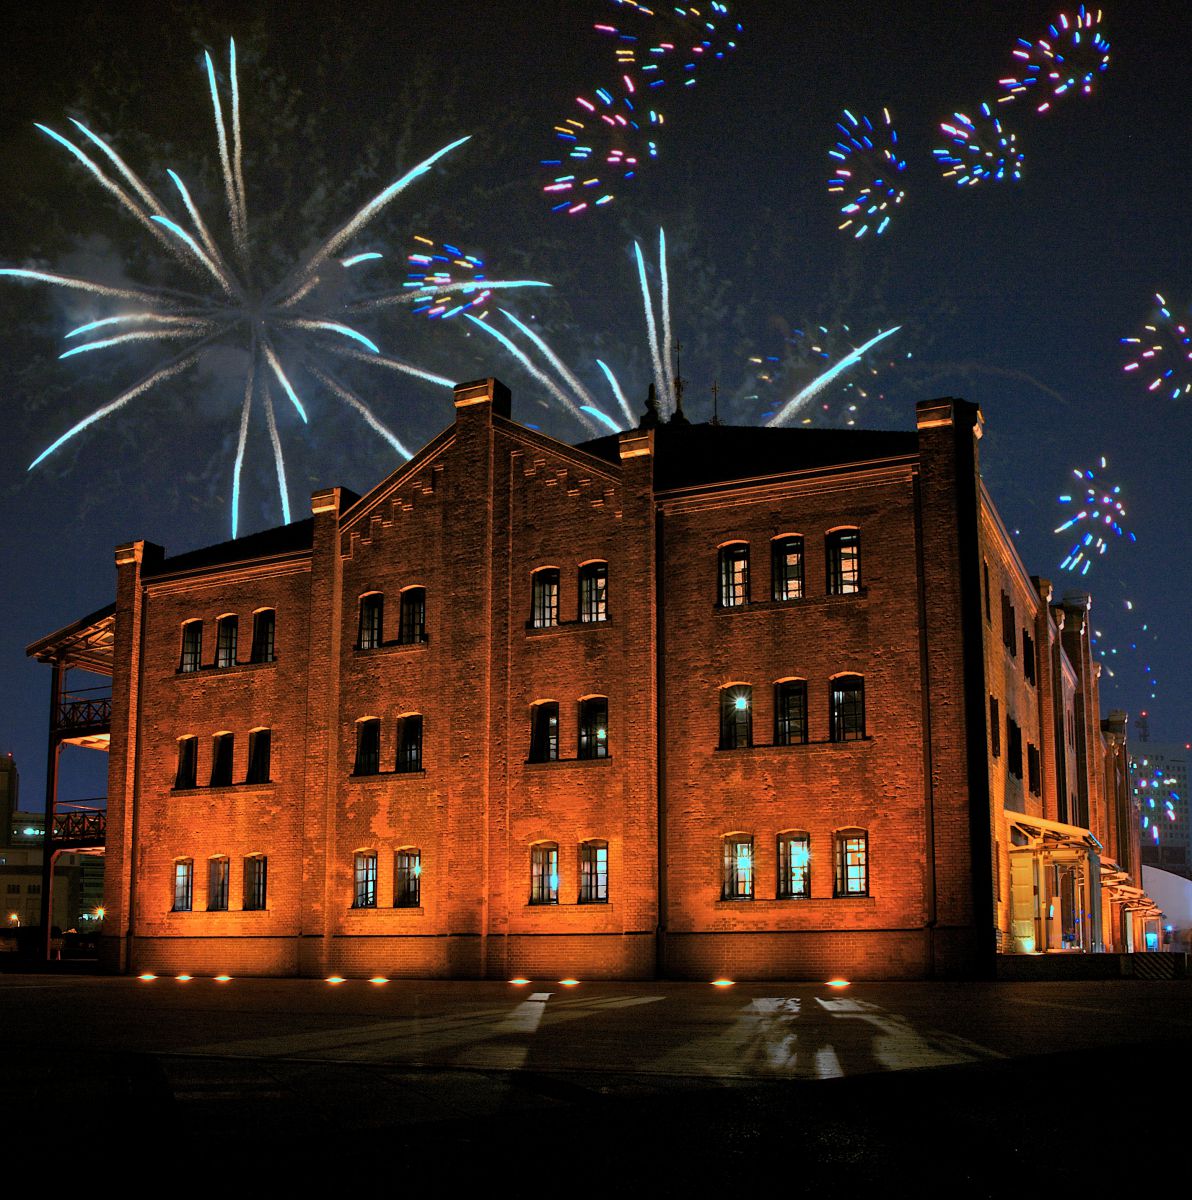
(85, 643)
(284, 539)
(693, 455)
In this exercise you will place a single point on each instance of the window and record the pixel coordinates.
(737, 882)
(255, 876)
(221, 760)
(593, 727)
(848, 708)
(184, 878)
(364, 894)
(1013, 747)
(1028, 658)
(593, 873)
(1009, 626)
(734, 575)
(226, 632)
(544, 731)
(794, 866)
(736, 716)
(218, 872)
(988, 613)
(995, 727)
(786, 568)
(259, 743)
(790, 712)
(192, 646)
(368, 747)
(372, 621)
(843, 552)
(1034, 774)
(411, 627)
(852, 862)
(407, 878)
(544, 873)
(544, 598)
(263, 646)
(409, 743)
(593, 592)
(188, 763)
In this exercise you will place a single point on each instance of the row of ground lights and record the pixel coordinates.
(148, 976)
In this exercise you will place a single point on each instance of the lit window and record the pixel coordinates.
(255, 877)
(544, 731)
(368, 747)
(222, 750)
(593, 873)
(852, 862)
(411, 628)
(794, 866)
(593, 727)
(263, 645)
(188, 763)
(184, 878)
(409, 743)
(259, 744)
(226, 633)
(843, 551)
(192, 646)
(847, 721)
(738, 868)
(790, 712)
(734, 575)
(544, 598)
(736, 717)
(372, 621)
(407, 878)
(544, 873)
(364, 894)
(593, 592)
(786, 563)
(218, 872)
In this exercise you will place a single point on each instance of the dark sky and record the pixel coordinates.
(1014, 296)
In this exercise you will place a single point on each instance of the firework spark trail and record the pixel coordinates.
(278, 461)
(981, 149)
(143, 335)
(817, 385)
(668, 352)
(350, 398)
(392, 364)
(239, 234)
(866, 178)
(242, 441)
(1101, 513)
(617, 392)
(1166, 334)
(554, 360)
(652, 333)
(135, 182)
(1065, 60)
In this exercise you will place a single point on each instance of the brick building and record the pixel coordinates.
(688, 700)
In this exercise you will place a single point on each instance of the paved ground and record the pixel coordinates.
(926, 1087)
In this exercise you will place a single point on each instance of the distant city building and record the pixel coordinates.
(1159, 783)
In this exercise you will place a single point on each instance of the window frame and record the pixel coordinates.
(842, 572)
(732, 589)
(794, 871)
(411, 616)
(223, 759)
(839, 706)
(367, 728)
(544, 598)
(544, 742)
(260, 755)
(410, 732)
(264, 636)
(593, 871)
(589, 742)
(995, 727)
(227, 638)
(844, 870)
(784, 691)
(544, 873)
(736, 731)
(190, 657)
(737, 882)
(219, 874)
(184, 885)
(593, 592)
(188, 757)
(370, 630)
(781, 577)
(407, 877)
(256, 883)
(364, 879)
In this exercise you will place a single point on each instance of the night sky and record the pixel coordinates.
(1011, 295)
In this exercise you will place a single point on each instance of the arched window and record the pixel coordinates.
(593, 872)
(794, 865)
(188, 763)
(368, 746)
(593, 592)
(734, 574)
(544, 598)
(264, 623)
(407, 877)
(184, 879)
(593, 727)
(544, 873)
(736, 716)
(786, 567)
(227, 632)
(847, 716)
(544, 731)
(737, 880)
(192, 646)
(790, 712)
(409, 742)
(364, 878)
(411, 629)
(842, 548)
(372, 621)
(852, 862)
(218, 873)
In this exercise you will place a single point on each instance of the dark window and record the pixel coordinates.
(263, 645)
(407, 878)
(1028, 658)
(218, 872)
(737, 881)
(188, 763)
(1009, 626)
(593, 592)
(790, 712)
(184, 878)
(192, 646)
(843, 552)
(226, 633)
(736, 717)
(852, 862)
(593, 873)
(786, 568)
(221, 759)
(1034, 775)
(988, 612)
(734, 575)
(593, 727)
(544, 874)
(409, 743)
(368, 747)
(364, 893)
(794, 866)
(544, 598)
(372, 621)
(1013, 747)
(259, 744)
(995, 727)
(544, 732)
(848, 708)
(255, 881)
(412, 621)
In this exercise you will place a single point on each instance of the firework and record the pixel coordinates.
(1100, 515)
(1157, 797)
(434, 269)
(1067, 59)
(866, 178)
(981, 149)
(285, 326)
(1163, 352)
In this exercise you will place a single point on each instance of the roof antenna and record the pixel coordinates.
(679, 417)
(651, 416)
(715, 401)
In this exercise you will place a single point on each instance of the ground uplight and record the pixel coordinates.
(568, 982)
(519, 982)
(378, 979)
(183, 978)
(838, 983)
(223, 978)
(723, 982)
(146, 977)
(335, 979)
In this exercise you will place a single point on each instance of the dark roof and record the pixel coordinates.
(285, 539)
(691, 455)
